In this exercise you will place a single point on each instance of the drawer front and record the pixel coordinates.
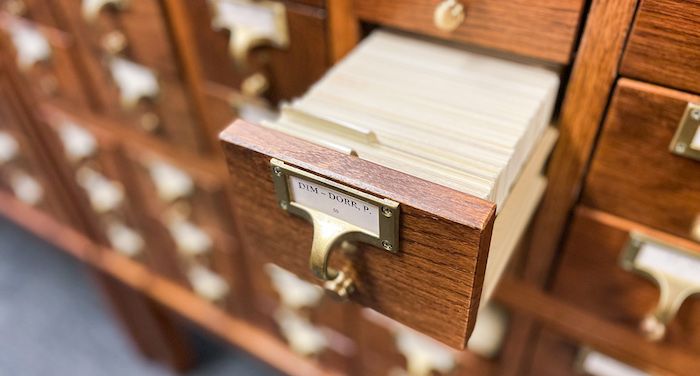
(591, 276)
(45, 59)
(305, 52)
(188, 206)
(539, 29)
(634, 174)
(431, 284)
(664, 46)
(136, 30)
(300, 314)
(556, 355)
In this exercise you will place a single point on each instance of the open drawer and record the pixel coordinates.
(403, 215)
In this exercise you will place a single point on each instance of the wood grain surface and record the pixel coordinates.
(432, 285)
(664, 46)
(540, 29)
(633, 174)
(590, 277)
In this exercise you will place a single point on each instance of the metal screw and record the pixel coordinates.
(695, 114)
(386, 211)
(680, 147)
(277, 171)
(387, 245)
(284, 205)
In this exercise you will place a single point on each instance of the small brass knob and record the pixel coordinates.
(448, 15)
(255, 85)
(113, 42)
(340, 287)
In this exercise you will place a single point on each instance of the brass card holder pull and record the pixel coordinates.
(135, 82)
(338, 213)
(251, 24)
(448, 15)
(686, 141)
(676, 272)
(9, 148)
(92, 8)
(31, 45)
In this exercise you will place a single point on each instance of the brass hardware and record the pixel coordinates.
(135, 82)
(251, 24)
(448, 15)
(113, 42)
(207, 284)
(149, 122)
(26, 188)
(31, 45)
(357, 216)
(124, 239)
(255, 85)
(676, 282)
(78, 143)
(695, 229)
(9, 147)
(91, 8)
(105, 195)
(686, 141)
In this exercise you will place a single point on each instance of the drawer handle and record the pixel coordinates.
(301, 335)
(207, 284)
(9, 148)
(171, 182)
(674, 270)
(190, 240)
(124, 239)
(92, 8)
(113, 42)
(251, 24)
(26, 188)
(294, 292)
(78, 143)
(105, 195)
(31, 45)
(135, 82)
(448, 15)
(357, 216)
(686, 141)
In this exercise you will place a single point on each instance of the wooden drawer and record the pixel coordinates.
(300, 314)
(540, 29)
(44, 56)
(389, 348)
(136, 30)
(556, 355)
(664, 46)
(305, 54)
(601, 273)
(187, 205)
(633, 174)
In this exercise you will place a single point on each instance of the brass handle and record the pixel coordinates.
(135, 82)
(251, 24)
(672, 295)
(448, 15)
(113, 42)
(91, 8)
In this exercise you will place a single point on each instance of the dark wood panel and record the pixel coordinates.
(664, 46)
(633, 174)
(432, 284)
(541, 29)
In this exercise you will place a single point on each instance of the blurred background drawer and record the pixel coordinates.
(633, 173)
(136, 30)
(45, 58)
(664, 46)
(539, 29)
(591, 276)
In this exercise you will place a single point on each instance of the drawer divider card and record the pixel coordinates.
(427, 167)
(676, 272)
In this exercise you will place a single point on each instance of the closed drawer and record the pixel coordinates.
(634, 173)
(44, 57)
(611, 268)
(299, 313)
(664, 46)
(297, 44)
(540, 29)
(136, 30)
(188, 207)
(556, 355)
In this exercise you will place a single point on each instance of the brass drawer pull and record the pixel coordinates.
(31, 45)
(26, 188)
(9, 148)
(135, 82)
(676, 272)
(686, 141)
(92, 8)
(207, 284)
(170, 182)
(251, 24)
(448, 15)
(105, 195)
(78, 143)
(124, 239)
(356, 216)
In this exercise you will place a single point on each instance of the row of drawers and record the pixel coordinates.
(122, 60)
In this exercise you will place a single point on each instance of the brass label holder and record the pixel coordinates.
(338, 213)
(686, 141)
(676, 272)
